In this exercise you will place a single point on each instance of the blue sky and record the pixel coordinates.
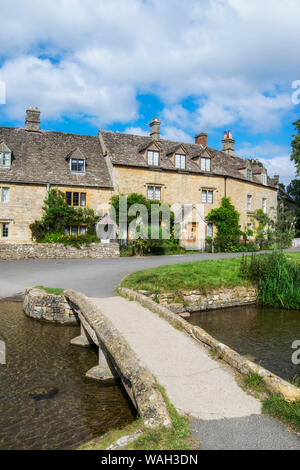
(210, 66)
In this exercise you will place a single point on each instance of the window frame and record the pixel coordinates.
(2, 225)
(249, 202)
(264, 179)
(205, 160)
(207, 192)
(77, 160)
(155, 153)
(182, 157)
(249, 174)
(210, 225)
(2, 161)
(2, 188)
(154, 190)
(69, 230)
(264, 205)
(80, 198)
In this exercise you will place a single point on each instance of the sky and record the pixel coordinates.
(200, 66)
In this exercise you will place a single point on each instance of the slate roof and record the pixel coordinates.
(125, 150)
(42, 157)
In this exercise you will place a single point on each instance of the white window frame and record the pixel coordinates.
(264, 179)
(180, 161)
(75, 171)
(153, 193)
(153, 157)
(264, 205)
(5, 159)
(205, 164)
(249, 202)
(2, 190)
(249, 174)
(207, 196)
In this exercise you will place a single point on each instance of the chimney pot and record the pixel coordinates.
(155, 129)
(33, 119)
(201, 139)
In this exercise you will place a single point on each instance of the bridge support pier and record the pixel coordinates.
(104, 370)
(83, 340)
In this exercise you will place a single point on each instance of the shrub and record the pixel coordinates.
(226, 219)
(277, 277)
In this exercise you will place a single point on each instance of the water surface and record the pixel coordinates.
(39, 356)
(264, 334)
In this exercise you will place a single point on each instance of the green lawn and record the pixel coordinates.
(203, 275)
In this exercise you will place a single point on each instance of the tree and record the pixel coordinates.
(264, 233)
(293, 190)
(226, 219)
(284, 226)
(295, 156)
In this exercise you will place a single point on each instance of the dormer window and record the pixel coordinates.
(205, 164)
(153, 158)
(180, 161)
(264, 179)
(77, 165)
(249, 175)
(5, 159)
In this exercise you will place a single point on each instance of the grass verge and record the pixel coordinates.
(287, 412)
(202, 275)
(177, 437)
(51, 290)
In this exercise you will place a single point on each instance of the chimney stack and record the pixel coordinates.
(33, 119)
(276, 179)
(228, 143)
(155, 129)
(201, 139)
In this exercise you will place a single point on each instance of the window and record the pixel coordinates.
(77, 166)
(207, 196)
(192, 231)
(205, 164)
(180, 161)
(249, 175)
(76, 199)
(5, 160)
(249, 203)
(75, 230)
(154, 193)
(153, 158)
(4, 194)
(210, 229)
(264, 205)
(4, 230)
(264, 179)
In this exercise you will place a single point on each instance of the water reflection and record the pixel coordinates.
(265, 335)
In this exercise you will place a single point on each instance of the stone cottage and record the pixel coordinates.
(90, 169)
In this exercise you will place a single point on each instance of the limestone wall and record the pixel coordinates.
(40, 305)
(193, 301)
(58, 251)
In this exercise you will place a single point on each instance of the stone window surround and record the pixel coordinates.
(205, 160)
(249, 202)
(181, 155)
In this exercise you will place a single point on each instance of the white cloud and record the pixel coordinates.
(234, 57)
(136, 131)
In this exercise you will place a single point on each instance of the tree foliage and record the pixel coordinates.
(226, 219)
(293, 190)
(58, 215)
(295, 156)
